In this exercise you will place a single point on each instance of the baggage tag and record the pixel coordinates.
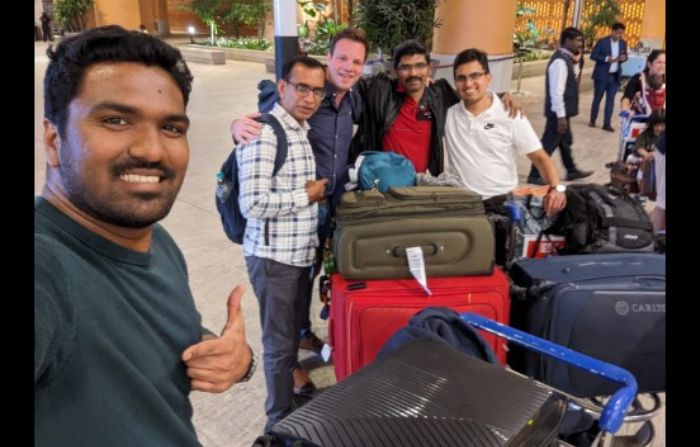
(416, 265)
(326, 352)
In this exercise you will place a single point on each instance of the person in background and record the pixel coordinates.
(644, 144)
(638, 86)
(608, 53)
(45, 20)
(561, 103)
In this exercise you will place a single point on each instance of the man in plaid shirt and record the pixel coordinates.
(280, 239)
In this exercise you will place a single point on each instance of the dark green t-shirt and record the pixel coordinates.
(110, 327)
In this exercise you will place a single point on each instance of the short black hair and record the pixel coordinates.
(469, 55)
(658, 116)
(76, 54)
(409, 48)
(618, 25)
(308, 62)
(570, 33)
(356, 35)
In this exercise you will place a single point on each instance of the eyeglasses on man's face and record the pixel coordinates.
(474, 77)
(405, 68)
(304, 90)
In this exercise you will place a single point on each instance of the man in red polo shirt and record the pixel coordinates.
(409, 134)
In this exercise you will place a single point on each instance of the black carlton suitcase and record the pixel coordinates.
(425, 393)
(610, 306)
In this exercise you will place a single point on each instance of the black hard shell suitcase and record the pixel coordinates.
(425, 393)
(610, 306)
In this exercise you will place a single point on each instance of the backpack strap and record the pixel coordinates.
(267, 95)
(281, 135)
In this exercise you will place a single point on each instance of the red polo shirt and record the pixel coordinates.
(410, 136)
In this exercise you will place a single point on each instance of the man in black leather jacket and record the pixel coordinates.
(386, 98)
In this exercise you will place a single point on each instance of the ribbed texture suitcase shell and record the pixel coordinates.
(425, 393)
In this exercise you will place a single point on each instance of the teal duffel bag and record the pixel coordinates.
(382, 170)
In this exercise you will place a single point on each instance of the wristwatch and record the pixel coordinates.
(558, 188)
(251, 368)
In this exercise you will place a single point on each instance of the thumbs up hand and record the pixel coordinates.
(216, 363)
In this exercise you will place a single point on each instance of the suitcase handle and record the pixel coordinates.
(614, 411)
(428, 250)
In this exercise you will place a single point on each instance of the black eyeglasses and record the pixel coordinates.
(474, 77)
(304, 90)
(408, 67)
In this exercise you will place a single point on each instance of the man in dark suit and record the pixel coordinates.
(608, 53)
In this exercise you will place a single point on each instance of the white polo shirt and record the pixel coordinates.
(483, 149)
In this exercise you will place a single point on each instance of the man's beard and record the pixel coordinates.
(142, 211)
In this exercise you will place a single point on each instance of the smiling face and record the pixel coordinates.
(345, 64)
(301, 105)
(472, 82)
(574, 45)
(413, 71)
(658, 65)
(124, 154)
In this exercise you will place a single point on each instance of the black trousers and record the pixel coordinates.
(551, 139)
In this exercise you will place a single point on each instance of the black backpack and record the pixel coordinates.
(228, 189)
(603, 219)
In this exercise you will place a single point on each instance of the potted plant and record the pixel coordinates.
(525, 37)
(211, 12)
(603, 14)
(71, 14)
(387, 23)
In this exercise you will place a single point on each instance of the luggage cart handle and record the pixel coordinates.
(614, 410)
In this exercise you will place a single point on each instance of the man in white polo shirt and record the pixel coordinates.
(483, 143)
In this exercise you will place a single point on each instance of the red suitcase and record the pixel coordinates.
(364, 314)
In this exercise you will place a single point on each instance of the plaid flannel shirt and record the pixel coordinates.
(281, 222)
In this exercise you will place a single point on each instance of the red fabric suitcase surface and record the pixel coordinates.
(364, 314)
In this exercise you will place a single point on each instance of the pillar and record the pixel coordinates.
(653, 32)
(486, 25)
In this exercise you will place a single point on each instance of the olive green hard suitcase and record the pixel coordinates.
(374, 229)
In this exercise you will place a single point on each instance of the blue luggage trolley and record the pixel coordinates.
(425, 393)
